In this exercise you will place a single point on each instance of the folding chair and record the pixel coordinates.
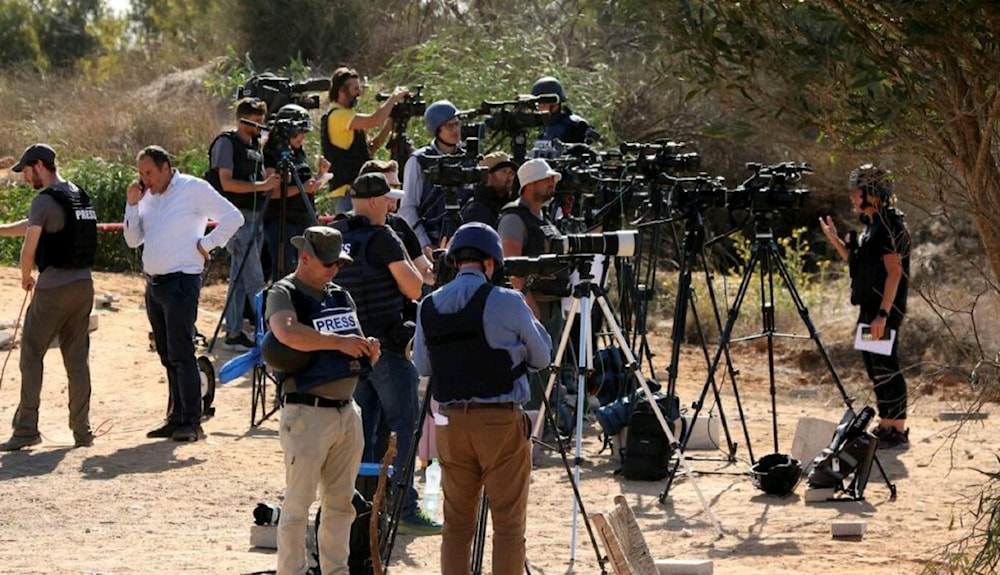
(253, 360)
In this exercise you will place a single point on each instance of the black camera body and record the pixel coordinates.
(276, 91)
(454, 170)
(663, 156)
(515, 116)
(412, 104)
(770, 188)
(695, 194)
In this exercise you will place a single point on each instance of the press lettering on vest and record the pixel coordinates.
(337, 323)
(85, 214)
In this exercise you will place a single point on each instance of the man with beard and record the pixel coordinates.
(342, 132)
(490, 198)
(60, 236)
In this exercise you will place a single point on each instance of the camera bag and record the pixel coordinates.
(647, 449)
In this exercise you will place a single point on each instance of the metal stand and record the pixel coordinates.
(764, 253)
(583, 295)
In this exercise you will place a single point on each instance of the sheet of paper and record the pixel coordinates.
(863, 341)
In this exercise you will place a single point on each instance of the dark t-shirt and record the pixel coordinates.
(295, 209)
(406, 235)
(887, 234)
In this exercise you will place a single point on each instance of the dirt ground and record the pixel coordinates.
(133, 505)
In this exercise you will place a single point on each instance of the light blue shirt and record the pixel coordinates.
(507, 323)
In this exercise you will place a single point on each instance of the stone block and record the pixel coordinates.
(848, 528)
(812, 435)
(819, 495)
(705, 435)
(264, 536)
(684, 567)
(962, 415)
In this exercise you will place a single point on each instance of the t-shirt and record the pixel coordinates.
(406, 235)
(46, 213)
(280, 299)
(338, 129)
(295, 208)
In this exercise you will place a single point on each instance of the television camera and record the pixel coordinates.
(412, 105)
(513, 119)
(662, 156)
(770, 188)
(276, 91)
(454, 170)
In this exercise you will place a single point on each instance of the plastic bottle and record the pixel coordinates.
(432, 490)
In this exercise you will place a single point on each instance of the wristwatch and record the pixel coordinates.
(883, 313)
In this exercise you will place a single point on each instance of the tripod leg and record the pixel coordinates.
(682, 460)
(479, 539)
(574, 309)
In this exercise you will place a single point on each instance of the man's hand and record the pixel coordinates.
(357, 346)
(268, 183)
(399, 93)
(28, 282)
(134, 192)
(829, 228)
(376, 350)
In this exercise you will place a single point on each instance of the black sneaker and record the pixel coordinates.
(188, 432)
(240, 342)
(164, 432)
(894, 439)
(19, 442)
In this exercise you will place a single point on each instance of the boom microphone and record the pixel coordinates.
(252, 123)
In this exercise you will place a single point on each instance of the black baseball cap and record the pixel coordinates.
(373, 185)
(34, 153)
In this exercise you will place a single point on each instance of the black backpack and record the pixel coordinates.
(851, 451)
(611, 380)
(647, 449)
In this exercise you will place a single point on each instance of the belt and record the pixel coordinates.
(314, 400)
(458, 406)
(163, 278)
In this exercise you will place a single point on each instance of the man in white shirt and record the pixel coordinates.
(167, 212)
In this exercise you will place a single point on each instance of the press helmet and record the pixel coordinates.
(548, 85)
(437, 114)
(296, 117)
(873, 181)
(475, 237)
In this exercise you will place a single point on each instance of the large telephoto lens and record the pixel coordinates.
(617, 244)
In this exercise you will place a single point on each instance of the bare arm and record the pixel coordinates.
(408, 279)
(14, 229)
(372, 121)
(894, 273)
(380, 139)
(830, 231)
(235, 186)
(28, 251)
(514, 248)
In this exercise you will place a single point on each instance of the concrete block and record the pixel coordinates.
(962, 415)
(684, 567)
(848, 528)
(93, 322)
(819, 495)
(264, 536)
(812, 435)
(705, 434)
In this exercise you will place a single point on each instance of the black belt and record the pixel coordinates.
(314, 400)
(459, 406)
(163, 278)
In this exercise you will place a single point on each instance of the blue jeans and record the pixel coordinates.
(389, 395)
(291, 254)
(172, 307)
(242, 286)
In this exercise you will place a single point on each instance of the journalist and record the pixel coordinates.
(560, 122)
(237, 171)
(60, 238)
(423, 204)
(382, 280)
(490, 197)
(321, 430)
(879, 262)
(476, 342)
(342, 132)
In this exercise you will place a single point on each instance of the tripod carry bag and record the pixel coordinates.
(647, 448)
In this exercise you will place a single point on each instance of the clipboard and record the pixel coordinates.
(863, 340)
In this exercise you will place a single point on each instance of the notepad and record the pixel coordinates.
(863, 340)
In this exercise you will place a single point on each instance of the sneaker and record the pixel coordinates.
(419, 525)
(188, 432)
(164, 432)
(240, 342)
(894, 439)
(19, 442)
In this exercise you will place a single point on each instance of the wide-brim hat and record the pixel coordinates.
(323, 243)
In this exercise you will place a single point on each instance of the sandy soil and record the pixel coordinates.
(133, 505)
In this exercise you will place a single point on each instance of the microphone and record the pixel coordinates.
(252, 123)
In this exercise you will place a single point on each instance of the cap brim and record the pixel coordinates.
(396, 194)
(502, 165)
(18, 166)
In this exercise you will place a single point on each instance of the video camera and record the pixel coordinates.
(516, 116)
(276, 91)
(454, 170)
(663, 156)
(695, 194)
(411, 105)
(770, 188)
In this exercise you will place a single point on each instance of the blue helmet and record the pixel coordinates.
(437, 114)
(548, 85)
(479, 237)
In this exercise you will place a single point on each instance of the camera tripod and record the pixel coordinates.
(765, 255)
(584, 294)
(288, 174)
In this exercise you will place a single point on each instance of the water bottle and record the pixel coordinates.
(432, 490)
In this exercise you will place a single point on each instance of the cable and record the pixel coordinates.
(13, 338)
